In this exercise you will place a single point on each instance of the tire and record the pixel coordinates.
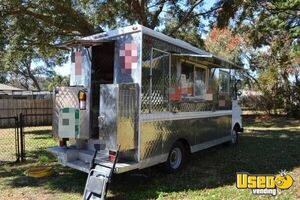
(176, 158)
(234, 137)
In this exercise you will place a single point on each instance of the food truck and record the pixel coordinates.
(156, 97)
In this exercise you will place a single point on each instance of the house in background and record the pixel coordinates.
(7, 91)
(11, 92)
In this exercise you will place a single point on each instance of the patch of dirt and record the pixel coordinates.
(28, 193)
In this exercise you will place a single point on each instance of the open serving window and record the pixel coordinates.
(193, 81)
(179, 79)
(224, 81)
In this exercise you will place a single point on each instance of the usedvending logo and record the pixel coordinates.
(262, 184)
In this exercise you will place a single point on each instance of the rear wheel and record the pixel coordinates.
(176, 158)
(234, 136)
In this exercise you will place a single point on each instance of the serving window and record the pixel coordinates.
(181, 81)
(200, 86)
(192, 81)
(187, 80)
(224, 81)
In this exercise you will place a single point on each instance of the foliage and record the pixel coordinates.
(26, 43)
(278, 73)
(188, 32)
(56, 21)
(261, 18)
(52, 22)
(56, 81)
(242, 29)
(225, 43)
(24, 67)
(273, 29)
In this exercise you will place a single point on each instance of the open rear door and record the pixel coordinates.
(92, 64)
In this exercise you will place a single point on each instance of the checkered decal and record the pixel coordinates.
(77, 63)
(77, 118)
(128, 56)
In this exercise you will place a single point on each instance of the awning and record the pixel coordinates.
(209, 60)
(82, 42)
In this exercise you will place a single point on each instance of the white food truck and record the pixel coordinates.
(156, 97)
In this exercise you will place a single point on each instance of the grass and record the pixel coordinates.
(36, 139)
(267, 146)
(7, 144)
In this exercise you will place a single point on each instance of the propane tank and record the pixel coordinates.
(82, 100)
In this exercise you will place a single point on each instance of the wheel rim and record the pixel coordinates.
(234, 137)
(175, 158)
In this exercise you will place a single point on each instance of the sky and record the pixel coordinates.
(65, 69)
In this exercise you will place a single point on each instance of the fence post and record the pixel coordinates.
(21, 121)
(17, 140)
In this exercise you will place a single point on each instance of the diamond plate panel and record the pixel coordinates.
(108, 114)
(66, 97)
(127, 126)
(151, 139)
(118, 124)
(157, 137)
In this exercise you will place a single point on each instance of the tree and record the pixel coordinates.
(25, 67)
(278, 72)
(55, 21)
(55, 81)
(30, 29)
(188, 32)
(26, 43)
(273, 29)
(225, 43)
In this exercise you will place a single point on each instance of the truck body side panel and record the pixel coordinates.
(158, 136)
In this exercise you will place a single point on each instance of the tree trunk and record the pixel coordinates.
(31, 76)
(35, 82)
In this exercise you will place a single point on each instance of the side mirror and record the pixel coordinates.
(239, 93)
(238, 84)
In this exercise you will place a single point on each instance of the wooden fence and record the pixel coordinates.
(37, 112)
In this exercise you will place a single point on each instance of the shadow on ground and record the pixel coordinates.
(259, 152)
(265, 152)
(32, 131)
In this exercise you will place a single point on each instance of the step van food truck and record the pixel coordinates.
(156, 97)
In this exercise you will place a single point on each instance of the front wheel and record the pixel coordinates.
(234, 137)
(176, 158)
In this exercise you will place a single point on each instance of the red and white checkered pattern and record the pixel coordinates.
(129, 56)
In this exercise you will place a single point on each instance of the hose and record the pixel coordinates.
(39, 171)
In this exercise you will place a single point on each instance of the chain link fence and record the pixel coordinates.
(9, 138)
(37, 137)
(22, 137)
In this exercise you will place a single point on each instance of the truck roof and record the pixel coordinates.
(198, 53)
